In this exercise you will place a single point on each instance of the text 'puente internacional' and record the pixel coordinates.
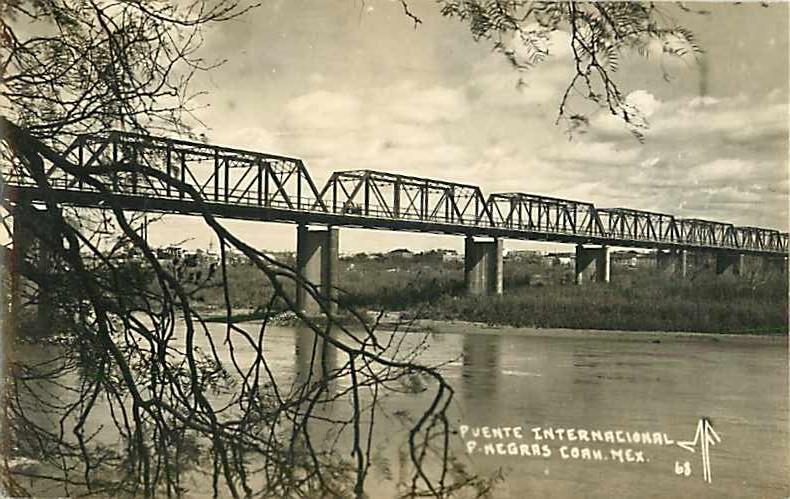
(134, 171)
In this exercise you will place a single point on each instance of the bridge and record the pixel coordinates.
(147, 173)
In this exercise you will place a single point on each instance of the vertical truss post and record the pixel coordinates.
(266, 173)
(226, 179)
(259, 182)
(169, 161)
(396, 198)
(216, 175)
(424, 200)
(133, 163)
(298, 188)
(183, 174)
(366, 193)
(334, 195)
(81, 160)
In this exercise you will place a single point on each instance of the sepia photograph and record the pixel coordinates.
(394, 249)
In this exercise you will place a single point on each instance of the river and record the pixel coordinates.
(601, 415)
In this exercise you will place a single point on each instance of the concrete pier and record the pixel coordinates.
(45, 316)
(585, 257)
(316, 261)
(775, 264)
(483, 266)
(732, 262)
(672, 262)
(27, 247)
(22, 240)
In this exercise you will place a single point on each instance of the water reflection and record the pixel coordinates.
(591, 382)
(315, 358)
(480, 376)
(315, 363)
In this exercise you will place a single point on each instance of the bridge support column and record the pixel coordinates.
(776, 264)
(674, 262)
(25, 244)
(726, 261)
(587, 256)
(316, 261)
(44, 308)
(22, 240)
(483, 266)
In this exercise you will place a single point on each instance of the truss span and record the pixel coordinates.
(147, 173)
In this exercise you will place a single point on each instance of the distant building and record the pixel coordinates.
(560, 259)
(169, 253)
(451, 255)
(401, 253)
(632, 259)
(523, 255)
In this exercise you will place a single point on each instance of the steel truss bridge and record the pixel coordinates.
(255, 186)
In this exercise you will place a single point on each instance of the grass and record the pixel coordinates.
(707, 304)
(538, 295)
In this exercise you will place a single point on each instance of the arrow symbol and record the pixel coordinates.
(705, 436)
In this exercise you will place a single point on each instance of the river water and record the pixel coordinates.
(601, 415)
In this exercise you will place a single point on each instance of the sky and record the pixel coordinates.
(352, 84)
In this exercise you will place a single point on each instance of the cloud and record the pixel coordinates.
(703, 101)
(720, 171)
(408, 104)
(249, 138)
(720, 158)
(496, 84)
(704, 157)
(650, 162)
(584, 153)
(644, 101)
(402, 127)
(321, 110)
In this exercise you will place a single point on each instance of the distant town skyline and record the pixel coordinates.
(350, 85)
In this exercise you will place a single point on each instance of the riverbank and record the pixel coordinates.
(706, 306)
(407, 322)
(466, 327)
(540, 296)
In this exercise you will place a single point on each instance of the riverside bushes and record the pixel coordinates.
(709, 304)
(539, 295)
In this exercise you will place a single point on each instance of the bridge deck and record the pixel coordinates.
(148, 174)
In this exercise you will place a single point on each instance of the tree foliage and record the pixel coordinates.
(129, 335)
(75, 66)
(137, 394)
(600, 34)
